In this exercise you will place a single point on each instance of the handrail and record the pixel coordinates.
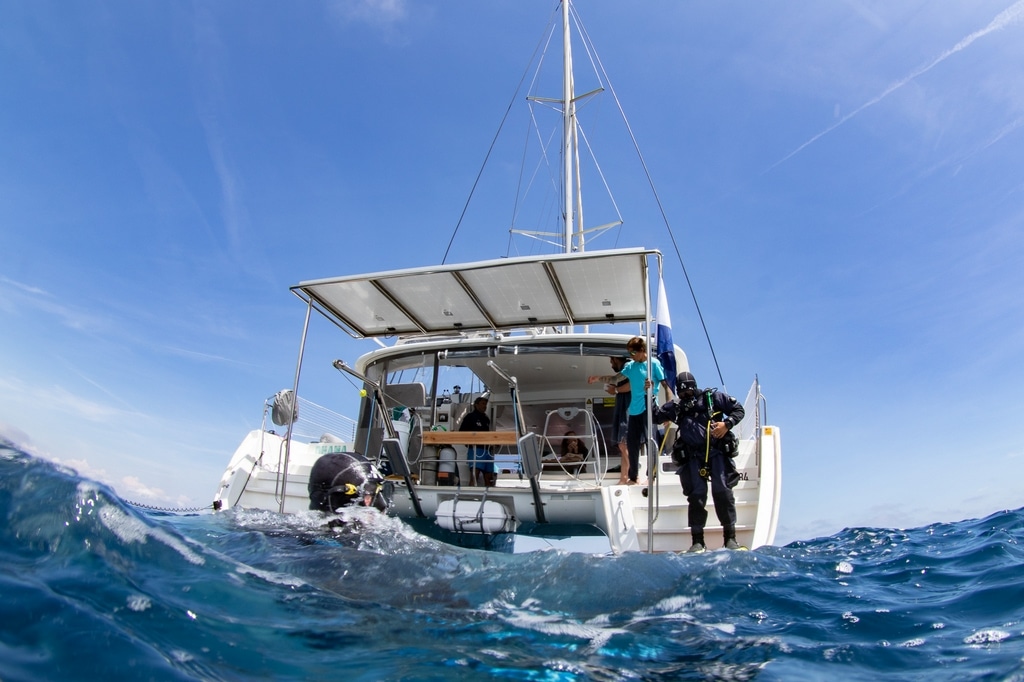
(513, 387)
(378, 401)
(520, 422)
(761, 415)
(654, 491)
(283, 473)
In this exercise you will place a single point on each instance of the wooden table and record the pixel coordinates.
(469, 438)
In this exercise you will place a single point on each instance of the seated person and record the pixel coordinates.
(572, 449)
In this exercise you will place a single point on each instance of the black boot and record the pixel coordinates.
(698, 545)
(729, 532)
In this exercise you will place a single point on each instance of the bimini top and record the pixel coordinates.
(513, 293)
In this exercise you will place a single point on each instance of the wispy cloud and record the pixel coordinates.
(127, 487)
(998, 135)
(377, 12)
(126, 407)
(133, 488)
(212, 107)
(58, 398)
(63, 399)
(963, 157)
(85, 469)
(129, 325)
(1012, 14)
(867, 15)
(27, 288)
(13, 434)
(13, 293)
(955, 161)
(196, 355)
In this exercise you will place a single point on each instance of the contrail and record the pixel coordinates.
(1008, 16)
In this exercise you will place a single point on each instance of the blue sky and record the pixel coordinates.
(844, 179)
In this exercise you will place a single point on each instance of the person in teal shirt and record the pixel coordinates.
(636, 371)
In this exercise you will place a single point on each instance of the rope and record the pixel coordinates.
(601, 71)
(490, 149)
(672, 236)
(172, 510)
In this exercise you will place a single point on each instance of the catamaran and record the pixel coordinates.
(525, 332)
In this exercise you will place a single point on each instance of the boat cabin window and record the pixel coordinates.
(435, 389)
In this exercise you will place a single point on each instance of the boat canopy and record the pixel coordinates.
(558, 290)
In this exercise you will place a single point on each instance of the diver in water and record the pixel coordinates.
(343, 479)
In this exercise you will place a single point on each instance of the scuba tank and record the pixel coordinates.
(447, 473)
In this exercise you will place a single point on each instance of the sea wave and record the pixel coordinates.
(91, 586)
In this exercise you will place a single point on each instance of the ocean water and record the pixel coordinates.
(92, 588)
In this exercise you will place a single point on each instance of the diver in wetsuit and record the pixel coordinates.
(704, 449)
(342, 479)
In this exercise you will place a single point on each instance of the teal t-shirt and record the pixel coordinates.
(636, 372)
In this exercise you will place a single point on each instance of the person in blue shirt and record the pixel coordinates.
(636, 371)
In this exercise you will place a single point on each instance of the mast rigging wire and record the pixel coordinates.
(599, 67)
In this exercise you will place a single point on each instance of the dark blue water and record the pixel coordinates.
(91, 588)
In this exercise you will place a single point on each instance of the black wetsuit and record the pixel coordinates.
(695, 451)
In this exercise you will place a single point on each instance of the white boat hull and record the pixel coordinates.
(254, 480)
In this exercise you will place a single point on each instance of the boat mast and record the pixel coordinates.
(573, 207)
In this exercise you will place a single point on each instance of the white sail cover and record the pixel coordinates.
(513, 293)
